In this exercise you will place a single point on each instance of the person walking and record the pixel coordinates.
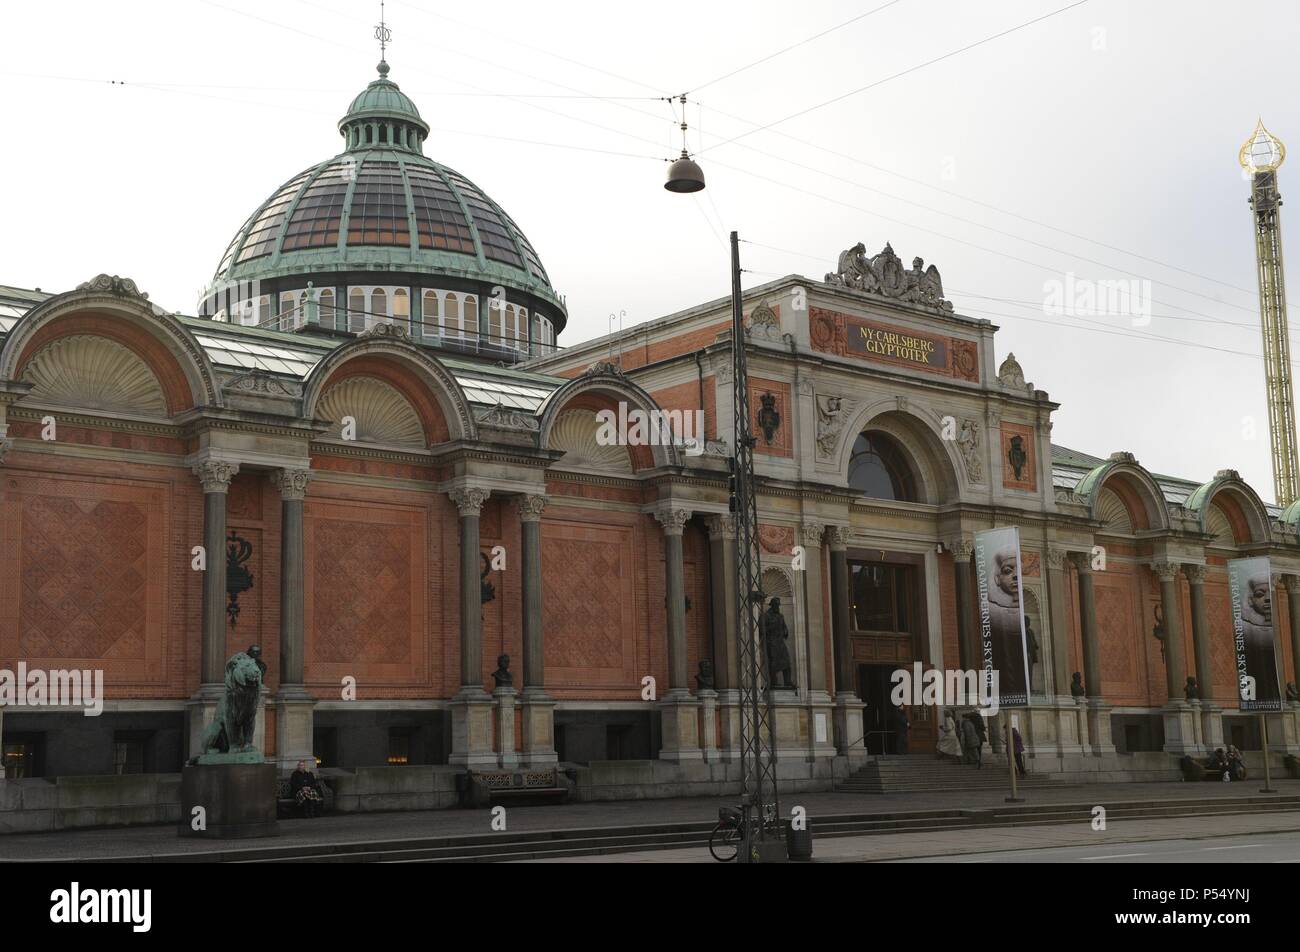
(901, 726)
(949, 739)
(1018, 746)
(970, 741)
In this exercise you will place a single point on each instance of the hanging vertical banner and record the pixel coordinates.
(1250, 592)
(1002, 617)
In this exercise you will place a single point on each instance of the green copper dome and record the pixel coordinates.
(382, 209)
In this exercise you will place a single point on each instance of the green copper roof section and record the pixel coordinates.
(382, 206)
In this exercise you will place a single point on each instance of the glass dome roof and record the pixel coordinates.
(382, 205)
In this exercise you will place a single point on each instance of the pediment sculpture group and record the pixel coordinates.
(885, 275)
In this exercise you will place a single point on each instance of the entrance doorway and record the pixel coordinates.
(878, 726)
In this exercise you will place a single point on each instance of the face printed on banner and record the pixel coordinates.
(1260, 601)
(1007, 578)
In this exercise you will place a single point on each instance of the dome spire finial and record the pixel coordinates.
(383, 34)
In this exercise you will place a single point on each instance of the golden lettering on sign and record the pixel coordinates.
(875, 340)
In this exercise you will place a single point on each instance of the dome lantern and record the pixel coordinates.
(383, 116)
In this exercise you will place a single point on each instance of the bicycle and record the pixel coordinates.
(724, 841)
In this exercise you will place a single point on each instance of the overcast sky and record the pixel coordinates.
(1009, 165)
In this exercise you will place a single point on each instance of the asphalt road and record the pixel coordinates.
(1242, 848)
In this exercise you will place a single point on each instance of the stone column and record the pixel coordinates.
(1088, 626)
(294, 707)
(811, 540)
(848, 706)
(215, 476)
(821, 742)
(1099, 736)
(679, 711)
(726, 649)
(1291, 710)
(1180, 732)
(537, 708)
(471, 709)
(969, 653)
(1071, 726)
(1211, 716)
(1292, 583)
(1058, 618)
(1175, 667)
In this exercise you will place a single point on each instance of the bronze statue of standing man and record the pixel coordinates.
(775, 636)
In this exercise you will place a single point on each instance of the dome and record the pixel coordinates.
(383, 212)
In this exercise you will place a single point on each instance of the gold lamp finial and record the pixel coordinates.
(1263, 151)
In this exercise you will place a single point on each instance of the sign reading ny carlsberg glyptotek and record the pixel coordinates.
(893, 344)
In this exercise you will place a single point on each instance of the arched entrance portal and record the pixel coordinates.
(888, 615)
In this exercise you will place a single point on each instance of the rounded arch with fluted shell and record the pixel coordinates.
(114, 311)
(1133, 485)
(406, 359)
(608, 386)
(934, 460)
(1238, 503)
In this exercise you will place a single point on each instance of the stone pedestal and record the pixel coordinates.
(199, 713)
(537, 716)
(821, 725)
(232, 801)
(729, 724)
(1290, 719)
(1282, 732)
(471, 729)
(791, 725)
(505, 702)
(1081, 725)
(294, 727)
(709, 724)
(1180, 731)
(1099, 736)
(679, 715)
(848, 726)
(1211, 726)
(259, 723)
(1198, 726)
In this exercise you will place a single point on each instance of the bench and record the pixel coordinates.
(480, 788)
(286, 807)
(1198, 769)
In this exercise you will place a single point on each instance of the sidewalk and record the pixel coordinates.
(944, 846)
(162, 841)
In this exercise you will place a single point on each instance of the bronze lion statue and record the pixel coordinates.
(231, 730)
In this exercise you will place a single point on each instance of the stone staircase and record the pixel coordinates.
(924, 773)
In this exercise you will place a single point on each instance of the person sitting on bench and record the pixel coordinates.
(306, 792)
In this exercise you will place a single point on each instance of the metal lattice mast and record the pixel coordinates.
(757, 721)
(1261, 156)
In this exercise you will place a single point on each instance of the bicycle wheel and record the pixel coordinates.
(724, 843)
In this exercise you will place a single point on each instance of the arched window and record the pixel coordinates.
(356, 310)
(469, 317)
(496, 320)
(401, 307)
(327, 316)
(378, 308)
(431, 313)
(451, 317)
(288, 311)
(879, 468)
